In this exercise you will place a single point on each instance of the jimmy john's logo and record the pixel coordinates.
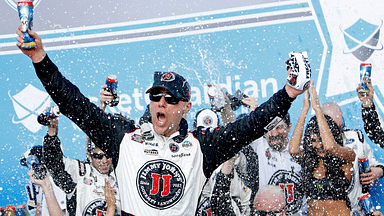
(204, 208)
(96, 207)
(160, 184)
(168, 77)
(288, 182)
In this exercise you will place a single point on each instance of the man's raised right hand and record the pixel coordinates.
(37, 54)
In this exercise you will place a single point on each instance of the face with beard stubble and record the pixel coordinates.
(277, 138)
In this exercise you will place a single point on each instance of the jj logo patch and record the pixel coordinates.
(160, 184)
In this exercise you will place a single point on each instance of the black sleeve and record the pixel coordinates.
(372, 126)
(53, 159)
(221, 197)
(220, 144)
(105, 130)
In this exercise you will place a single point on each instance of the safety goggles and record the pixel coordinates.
(99, 156)
(270, 213)
(170, 99)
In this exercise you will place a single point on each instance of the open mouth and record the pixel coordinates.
(161, 118)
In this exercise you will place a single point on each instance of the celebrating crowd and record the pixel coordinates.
(246, 166)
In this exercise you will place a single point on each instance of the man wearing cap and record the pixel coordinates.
(160, 169)
(82, 181)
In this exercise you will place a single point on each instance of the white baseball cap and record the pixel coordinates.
(207, 118)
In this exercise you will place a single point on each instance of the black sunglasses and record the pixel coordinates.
(170, 99)
(99, 156)
(271, 213)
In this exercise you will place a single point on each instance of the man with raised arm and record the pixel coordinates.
(160, 167)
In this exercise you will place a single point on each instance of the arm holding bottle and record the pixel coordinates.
(294, 144)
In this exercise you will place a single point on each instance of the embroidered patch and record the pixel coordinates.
(137, 138)
(187, 145)
(160, 184)
(87, 181)
(151, 151)
(173, 147)
(288, 182)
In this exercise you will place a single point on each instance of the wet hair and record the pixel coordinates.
(311, 158)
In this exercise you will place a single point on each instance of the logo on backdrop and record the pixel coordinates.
(13, 3)
(28, 104)
(362, 39)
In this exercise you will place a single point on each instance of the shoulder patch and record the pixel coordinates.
(137, 138)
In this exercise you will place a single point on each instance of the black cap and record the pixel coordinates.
(173, 82)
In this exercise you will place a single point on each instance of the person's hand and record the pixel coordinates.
(314, 98)
(371, 177)
(251, 102)
(366, 100)
(53, 126)
(37, 54)
(110, 196)
(41, 182)
(377, 213)
(292, 92)
(228, 165)
(104, 96)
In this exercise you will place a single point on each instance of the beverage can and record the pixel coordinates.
(53, 112)
(364, 165)
(25, 9)
(366, 204)
(112, 83)
(365, 76)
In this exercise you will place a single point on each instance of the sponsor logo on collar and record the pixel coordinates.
(151, 151)
(187, 145)
(137, 138)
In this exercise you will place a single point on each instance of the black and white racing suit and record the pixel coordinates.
(80, 180)
(265, 166)
(158, 175)
(354, 139)
(373, 125)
